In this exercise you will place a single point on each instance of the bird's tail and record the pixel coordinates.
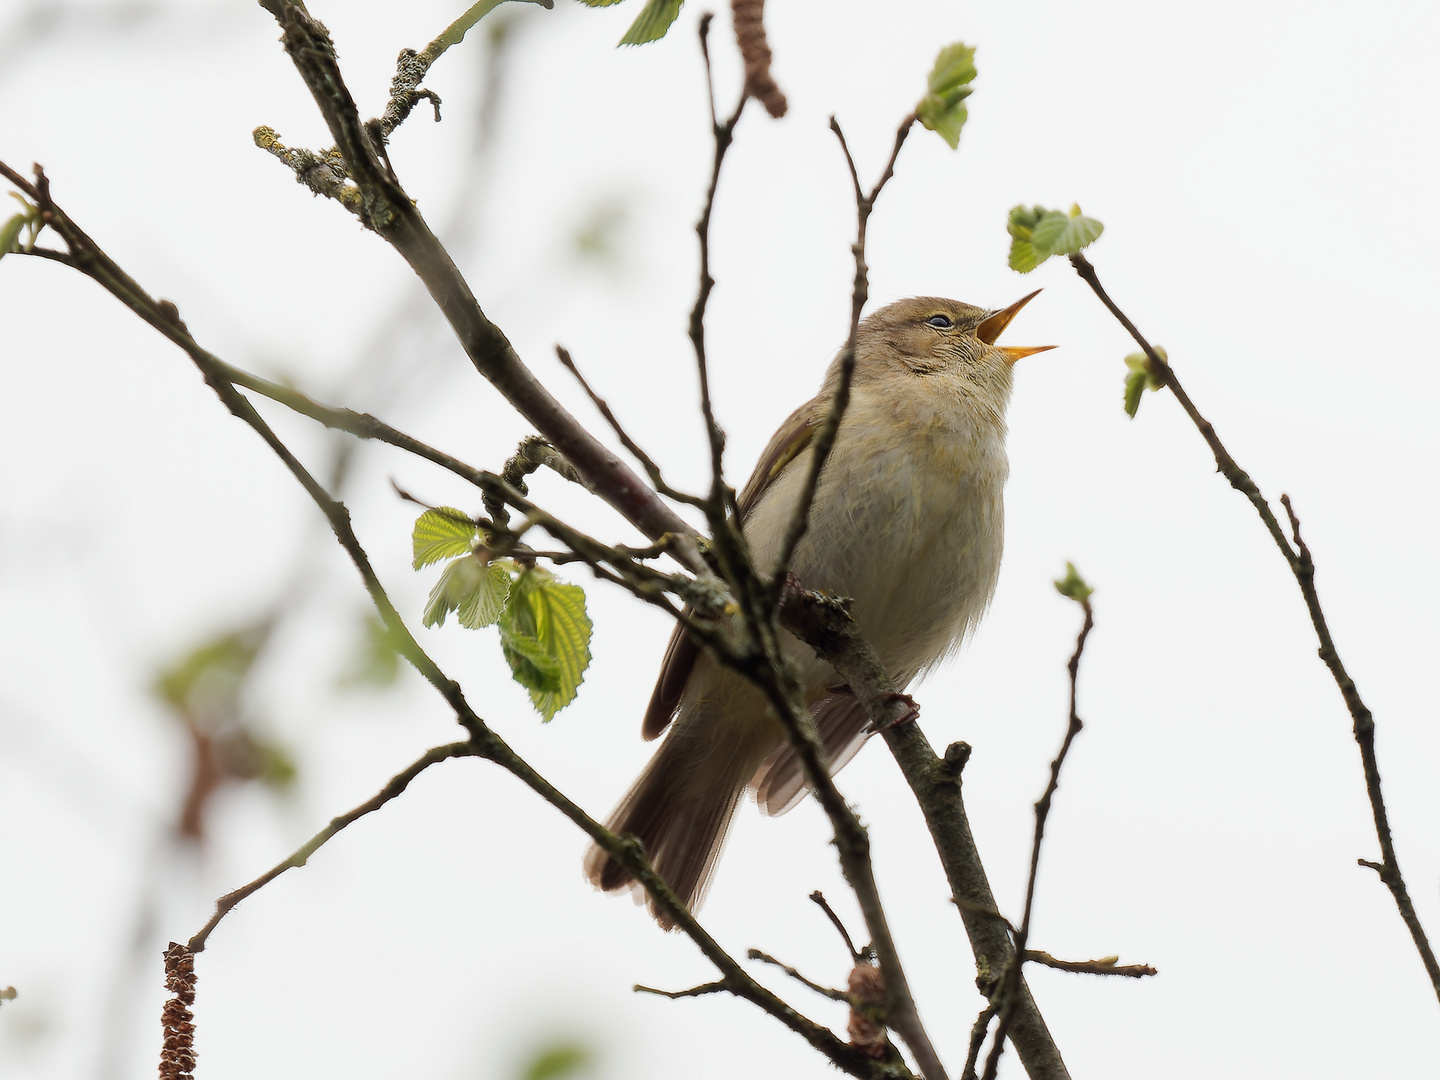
(680, 809)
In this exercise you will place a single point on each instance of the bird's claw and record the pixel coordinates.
(911, 713)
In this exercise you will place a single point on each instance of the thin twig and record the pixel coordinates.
(833, 995)
(1010, 982)
(394, 787)
(390, 212)
(646, 461)
(724, 134)
(824, 440)
(819, 898)
(1109, 965)
(977, 1039)
(1302, 566)
(717, 987)
(533, 453)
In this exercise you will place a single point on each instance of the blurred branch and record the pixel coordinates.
(1009, 983)
(748, 17)
(1302, 566)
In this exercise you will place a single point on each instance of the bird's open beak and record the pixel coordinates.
(995, 324)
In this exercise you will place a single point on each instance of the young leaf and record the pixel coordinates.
(545, 634)
(1134, 387)
(651, 25)
(1037, 233)
(442, 533)
(1139, 377)
(1078, 234)
(1072, 585)
(476, 591)
(942, 109)
(486, 604)
(10, 233)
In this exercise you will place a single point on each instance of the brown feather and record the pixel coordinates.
(784, 447)
(780, 783)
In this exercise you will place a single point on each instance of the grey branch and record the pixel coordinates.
(1302, 566)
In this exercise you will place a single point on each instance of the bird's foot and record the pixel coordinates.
(911, 713)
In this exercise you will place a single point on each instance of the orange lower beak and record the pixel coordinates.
(995, 324)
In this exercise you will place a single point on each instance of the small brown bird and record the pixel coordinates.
(907, 520)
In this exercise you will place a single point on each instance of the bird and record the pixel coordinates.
(907, 521)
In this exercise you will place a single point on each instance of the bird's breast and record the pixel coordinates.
(908, 520)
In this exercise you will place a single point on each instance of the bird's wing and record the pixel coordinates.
(785, 446)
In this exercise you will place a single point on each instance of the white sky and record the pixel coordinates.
(1264, 173)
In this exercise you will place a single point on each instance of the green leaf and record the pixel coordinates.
(556, 1062)
(599, 3)
(1024, 257)
(1134, 387)
(1047, 231)
(954, 68)
(942, 109)
(10, 233)
(1072, 585)
(376, 661)
(474, 590)
(442, 533)
(208, 680)
(1141, 375)
(652, 22)
(487, 603)
(1037, 233)
(545, 635)
(1078, 234)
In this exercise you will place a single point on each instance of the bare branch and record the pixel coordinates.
(724, 134)
(977, 1039)
(533, 453)
(394, 788)
(386, 208)
(1010, 981)
(824, 623)
(483, 741)
(1109, 965)
(646, 461)
(1302, 566)
(824, 440)
(718, 987)
(833, 995)
(819, 898)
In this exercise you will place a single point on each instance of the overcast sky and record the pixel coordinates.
(1265, 174)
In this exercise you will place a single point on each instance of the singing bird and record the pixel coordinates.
(907, 521)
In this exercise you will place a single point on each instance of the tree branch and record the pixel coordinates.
(1010, 981)
(1302, 566)
(387, 209)
(87, 257)
(824, 440)
(824, 623)
(395, 787)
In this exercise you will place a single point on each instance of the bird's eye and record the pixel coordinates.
(941, 321)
